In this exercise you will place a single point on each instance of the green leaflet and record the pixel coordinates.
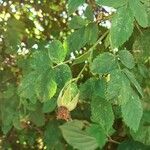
(132, 112)
(56, 51)
(114, 84)
(143, 133)
(102, 113)
(112, 3)
(125, 90)
(98, 133)
(45, 86)
(39, 59)
(8, 109)
(76, 137)
(77, 22)
(139, 11)
(49, 105)
(35, 86)
(146, 118)
(91, 33)
(27, 85)
(72, 5)
(126, 58)
(7, 112)
(133, 80)
(122, 26)
(75, 41)
(103, 63)
(118, 86)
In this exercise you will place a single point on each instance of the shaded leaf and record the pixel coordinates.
(126, 58)
(49, 105)
(133, 80)
(72, 5)
(15, 28)
(142, 134)
(77, 22)
(27, 85)
(142, 44)
(139, 11)
(62, 74)
(76, 40)
(92, 88)
(37, 117)
(91, 33)
(132, 145)
(52, 136)
(89, 13)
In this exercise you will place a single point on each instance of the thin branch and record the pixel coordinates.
(136, 24)
(65, 62)
(112, 141)
(80, 73)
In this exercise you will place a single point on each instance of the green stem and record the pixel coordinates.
(111, 140)
(91, 54)
(137, 25)
(65, 62)
(80, 73)
(92, 48)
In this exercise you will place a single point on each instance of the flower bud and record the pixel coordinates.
(68, 96)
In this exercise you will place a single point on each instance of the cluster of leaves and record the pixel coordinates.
(104, 89)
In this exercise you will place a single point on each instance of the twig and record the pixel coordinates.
(65, 62)
(80, 73)
(138, 28)
(113, 141)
